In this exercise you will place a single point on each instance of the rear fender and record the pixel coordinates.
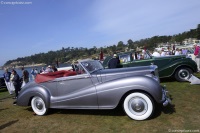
(26, 95)
(170, 69)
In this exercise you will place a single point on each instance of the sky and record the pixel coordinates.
(29, 27)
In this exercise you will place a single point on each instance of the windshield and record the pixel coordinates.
(92, 65)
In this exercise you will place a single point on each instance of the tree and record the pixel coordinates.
(120, 46)
(130, 44)
(71, 53)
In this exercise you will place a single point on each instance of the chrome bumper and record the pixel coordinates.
(165, 98)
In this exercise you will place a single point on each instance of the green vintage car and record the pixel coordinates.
(179, 67)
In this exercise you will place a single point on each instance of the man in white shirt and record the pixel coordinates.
(177, 52)
(163, 53)
(155, 53)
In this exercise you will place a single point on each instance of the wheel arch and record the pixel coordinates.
(25, 96)
(134, 91)
(46, 100)
(182, 66)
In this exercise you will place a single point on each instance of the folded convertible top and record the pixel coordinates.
(52, 75)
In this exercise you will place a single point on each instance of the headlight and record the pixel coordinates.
(154, 77)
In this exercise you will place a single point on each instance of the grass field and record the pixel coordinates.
(183, 115)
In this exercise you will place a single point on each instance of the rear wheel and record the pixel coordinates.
(38, 106)
(138, 106)
(182, 74)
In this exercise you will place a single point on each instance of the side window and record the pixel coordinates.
(81, 70)
(125, 58)
(134, 56)
(146, 56)
(78, 68)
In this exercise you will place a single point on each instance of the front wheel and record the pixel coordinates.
(138, 106)
(182, 74)
(38, 106)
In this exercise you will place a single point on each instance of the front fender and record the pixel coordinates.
(170, 68)
(110, 93)
(26, 94)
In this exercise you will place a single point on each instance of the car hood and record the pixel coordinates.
(111, 74)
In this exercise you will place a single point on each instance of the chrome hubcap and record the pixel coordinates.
(39, 104)
(138, 106)
(184, 74)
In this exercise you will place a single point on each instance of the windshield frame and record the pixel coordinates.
(91, 66)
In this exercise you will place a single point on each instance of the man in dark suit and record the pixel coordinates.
(114, 62)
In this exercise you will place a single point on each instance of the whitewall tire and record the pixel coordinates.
(38, 106)
(138, 106)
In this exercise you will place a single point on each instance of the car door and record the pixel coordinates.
(136, 61)
(76, 92)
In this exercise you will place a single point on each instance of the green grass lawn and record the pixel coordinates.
(183, 115)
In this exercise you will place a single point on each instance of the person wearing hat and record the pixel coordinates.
(197, 55)
(114, 62)
(48, 69)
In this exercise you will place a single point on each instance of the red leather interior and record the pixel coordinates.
(52, 75)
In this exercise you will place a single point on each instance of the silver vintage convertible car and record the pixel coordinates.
(90, 86)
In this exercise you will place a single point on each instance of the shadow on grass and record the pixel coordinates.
(8, 124)
(3, 90)
(3, 109)
(6, 97)
(170, 109)
(167, 80)
(112, 112)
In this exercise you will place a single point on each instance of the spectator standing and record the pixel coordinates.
(163, 53)
(11, 83)
(169, 52)
(197, 56)
(173, 49)
(33, 73)
(184, 51)
(196, 49)
(25, 77)
(198, 61)
(6, 76)
(138, 55)
(155, 53)
(36, 72)
(114, 62)
(16, 83)
(177, 52)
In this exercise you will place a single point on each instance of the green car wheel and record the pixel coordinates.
(182, 74)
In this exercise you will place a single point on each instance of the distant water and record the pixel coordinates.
(19, 71)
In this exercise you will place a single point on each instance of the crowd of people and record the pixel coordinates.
(178, 51)
(114, 62)
(168, 52)
(14, 82)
